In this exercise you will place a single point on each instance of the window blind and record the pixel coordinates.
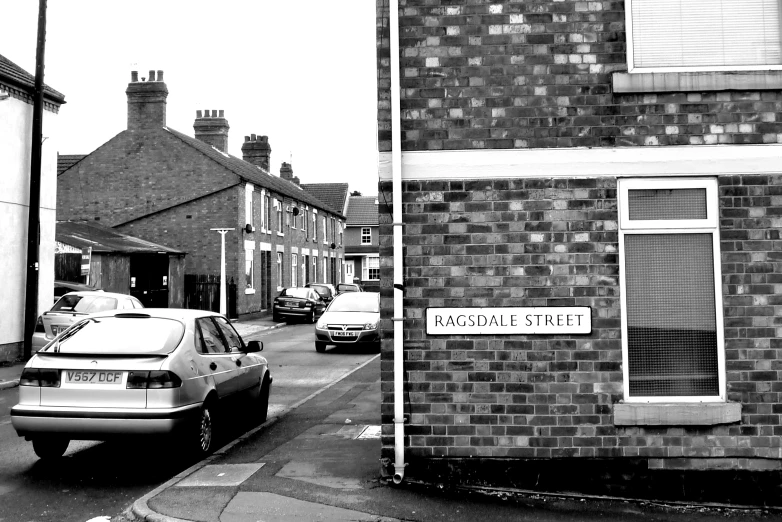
(705, 33)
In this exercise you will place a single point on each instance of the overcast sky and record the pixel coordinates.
(301, 72)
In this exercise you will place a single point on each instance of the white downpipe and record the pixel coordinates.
(396, 201)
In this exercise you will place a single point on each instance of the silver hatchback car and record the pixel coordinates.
(138, 372)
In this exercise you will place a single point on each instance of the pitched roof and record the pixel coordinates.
(362, 210)
(18, 77)
(257, 175)
(332, 194)
(66, 161)
(83, 234)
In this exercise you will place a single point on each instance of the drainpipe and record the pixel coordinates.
(396, 176)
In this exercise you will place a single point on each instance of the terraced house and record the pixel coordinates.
(161, 185)
(589, 199)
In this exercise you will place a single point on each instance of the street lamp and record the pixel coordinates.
(223, 300)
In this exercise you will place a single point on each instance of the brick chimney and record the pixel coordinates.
(212, 128)
(286, 172)
(146, 101)
(256, 150)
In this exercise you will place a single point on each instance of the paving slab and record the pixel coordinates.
(269, 507)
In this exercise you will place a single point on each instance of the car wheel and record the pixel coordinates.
(320, 347)
(50, 447)
(262, 404)
(276, 318)
(203, 435)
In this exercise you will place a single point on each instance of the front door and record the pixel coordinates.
(349, 271)
(149, 279)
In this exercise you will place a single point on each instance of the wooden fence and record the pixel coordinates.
(202, 292)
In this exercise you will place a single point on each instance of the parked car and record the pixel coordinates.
(298, 303)
(63, 287)
(326, 290)
(75, 305)
(130, 373)
(348, 287)
(351, 318)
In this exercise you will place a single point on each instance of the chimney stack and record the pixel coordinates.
(286, 172)
(212, 128)
(256, 150)
(146, 101)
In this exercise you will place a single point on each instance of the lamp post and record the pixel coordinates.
(223, 299)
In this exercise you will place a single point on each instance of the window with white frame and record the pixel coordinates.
(249, 273)
(672, 336)
(366, 236)
(268, 211)
(325, 269)
(278, 205)
(314, 268)
(703, 35)
(279, 269)
(370, 269)
(325, 235)
(294, 270)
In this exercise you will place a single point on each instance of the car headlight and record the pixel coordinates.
(370, 326)
(321, 325)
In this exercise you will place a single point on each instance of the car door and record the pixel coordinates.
(214, 352)
(320, 304)
(248, 370)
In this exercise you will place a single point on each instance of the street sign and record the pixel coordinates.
(86, 256)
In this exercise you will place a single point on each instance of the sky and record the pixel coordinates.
(302, 73)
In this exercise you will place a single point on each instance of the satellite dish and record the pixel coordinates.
(249, 228)
(333, 245)
(295, 211)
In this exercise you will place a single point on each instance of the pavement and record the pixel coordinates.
(319, 460)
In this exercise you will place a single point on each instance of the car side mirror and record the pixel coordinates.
(254, 346)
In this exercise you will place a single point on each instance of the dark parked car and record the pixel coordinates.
(298, 303)
(351, 318)
(326, 290)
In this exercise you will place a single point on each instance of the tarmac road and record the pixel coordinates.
(102, 479)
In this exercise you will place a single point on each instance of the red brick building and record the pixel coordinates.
(565, 161)
(161, 185)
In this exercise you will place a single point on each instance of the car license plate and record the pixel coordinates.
(93, 377)
(57, 329)
(344, 334)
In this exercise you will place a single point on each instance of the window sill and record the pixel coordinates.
(249, 291)
(280, 234)
(696, 81)
(676, 414)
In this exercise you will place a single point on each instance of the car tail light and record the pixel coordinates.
(39, 325)
(46, 378)
(153, 380)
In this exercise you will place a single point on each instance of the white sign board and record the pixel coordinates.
(537, 320)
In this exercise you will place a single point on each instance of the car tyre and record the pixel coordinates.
(262, 405)
(50, 447)
(276, 318)
(320, 347)
(203, 434)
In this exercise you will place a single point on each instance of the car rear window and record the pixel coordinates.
(322, 290)
(355, 302)
(129, 334)
(88, 304)
(304, 293)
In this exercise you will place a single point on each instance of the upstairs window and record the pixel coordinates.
(366, 236)
(672, 334)
(703, 35)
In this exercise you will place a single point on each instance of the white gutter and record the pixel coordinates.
(396, 201)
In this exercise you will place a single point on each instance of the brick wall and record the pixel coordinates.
(538, 74)
(554, 243)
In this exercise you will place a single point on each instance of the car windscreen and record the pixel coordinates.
(355, 302)
(87, 304)
(322, 290)
(129, 334)
(304, 293)
(347, 288)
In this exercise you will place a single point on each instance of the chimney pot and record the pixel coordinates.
(160, 76)
(198, 114)
(133, 76)
(152, 76)
(253, 137)
(246, 138)
(221, 113)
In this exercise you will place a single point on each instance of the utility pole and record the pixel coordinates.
(34, 215)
